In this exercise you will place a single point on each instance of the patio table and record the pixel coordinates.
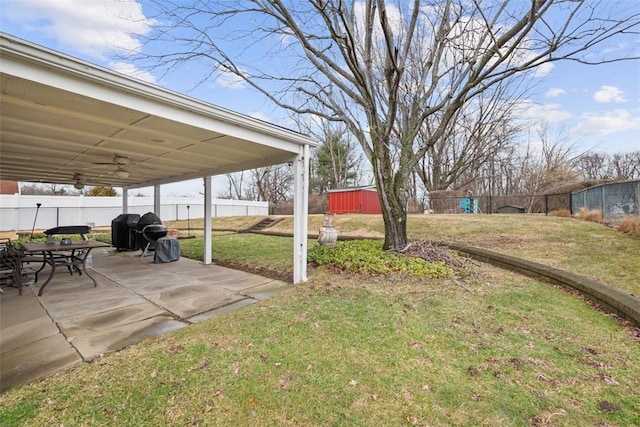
(79, 249)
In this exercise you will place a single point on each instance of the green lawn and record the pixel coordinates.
(488, 348)
(585, 248)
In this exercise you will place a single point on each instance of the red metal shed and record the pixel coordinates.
(354, 200)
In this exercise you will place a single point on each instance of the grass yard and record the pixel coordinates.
(489, 348)
(586, 248)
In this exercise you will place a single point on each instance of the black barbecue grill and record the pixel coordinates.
(152, 233)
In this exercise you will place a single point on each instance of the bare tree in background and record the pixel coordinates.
(270, 184)
(545, 164)
(592, 166)
(385, 68)
(235, 186)
(626, 166)
(478, 132)
(596, 166)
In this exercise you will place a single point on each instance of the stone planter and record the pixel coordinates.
(327, 235)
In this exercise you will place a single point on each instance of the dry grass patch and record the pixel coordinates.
(565, 213)
(592, 215)
(630, 225)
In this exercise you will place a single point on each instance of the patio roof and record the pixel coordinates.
(62, 116)
(64, 120)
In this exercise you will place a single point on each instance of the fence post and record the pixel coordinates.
(571, 202)
(546, 204)
(637, 201)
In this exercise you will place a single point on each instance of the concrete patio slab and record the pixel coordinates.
(109, 319)
(35, 329)
(222, 310)
(188, 301)
(92, 345)
(36, 360)
(135, 299)
(266, 290)
(242, 283)
(17, 309)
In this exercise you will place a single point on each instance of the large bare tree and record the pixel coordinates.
(383, 68)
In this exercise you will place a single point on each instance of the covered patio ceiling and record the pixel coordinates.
(62, 118)
(66, 121)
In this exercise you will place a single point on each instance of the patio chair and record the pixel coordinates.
(11, 264)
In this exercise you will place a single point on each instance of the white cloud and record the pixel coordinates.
(608, 123)
(550, 113)
(609, 94)
(229, 80)
(543, 69)
(555, 92)
(131, 70)
(97, 27)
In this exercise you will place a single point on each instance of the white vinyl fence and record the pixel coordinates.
(18, 212)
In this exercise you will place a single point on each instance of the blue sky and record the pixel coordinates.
(597, 106)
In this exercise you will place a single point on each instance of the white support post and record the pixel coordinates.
(125, 200)
(156, 200)
(300, 214)
(207, 221)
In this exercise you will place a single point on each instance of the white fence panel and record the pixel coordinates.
(18, 212)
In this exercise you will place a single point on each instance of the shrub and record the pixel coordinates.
(630, 225)
(565, 213)
(367, 257)
(101, 237)
(587, 214)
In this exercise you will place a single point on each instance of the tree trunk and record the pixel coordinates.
(391, 192)
(395, 227)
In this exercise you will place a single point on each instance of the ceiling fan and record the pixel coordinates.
(79, 181)
(120, 162)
